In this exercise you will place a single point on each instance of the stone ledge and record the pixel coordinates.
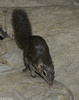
(33, 3)
(41, 18)
(21, 86)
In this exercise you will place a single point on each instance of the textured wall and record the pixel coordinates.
(33, 3)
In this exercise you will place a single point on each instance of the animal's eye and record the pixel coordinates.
(44, 73)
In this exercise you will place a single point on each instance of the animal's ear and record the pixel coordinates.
(40, 67)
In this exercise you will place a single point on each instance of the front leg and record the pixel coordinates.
(33, 74)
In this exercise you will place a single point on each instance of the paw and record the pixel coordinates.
(24, 70)
(33, 74)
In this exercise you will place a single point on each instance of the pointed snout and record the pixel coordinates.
(50, 83)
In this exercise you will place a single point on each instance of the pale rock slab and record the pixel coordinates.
(21, 86)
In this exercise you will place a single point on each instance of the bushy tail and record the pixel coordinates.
(22, 27)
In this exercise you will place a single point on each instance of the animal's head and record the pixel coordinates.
(47, 72)
(44, 67)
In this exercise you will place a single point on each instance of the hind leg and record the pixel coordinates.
(24, 70)
(26, 65)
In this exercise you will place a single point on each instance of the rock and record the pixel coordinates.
(59, 26)
(2, 20)
(34, 3)
(21, 86)
(76, 2)
(47, 21)
(11, 52)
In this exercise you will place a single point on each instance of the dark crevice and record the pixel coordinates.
(1, 38)
(3, 34)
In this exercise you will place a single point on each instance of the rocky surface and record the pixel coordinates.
(59, 26)
(21, 86)
(33, 3)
